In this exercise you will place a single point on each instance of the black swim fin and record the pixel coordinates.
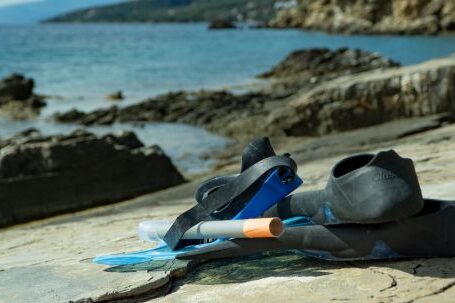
(223, 198)
(431, 233)
(364, 188)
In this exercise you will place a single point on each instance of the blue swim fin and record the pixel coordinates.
(164, 252)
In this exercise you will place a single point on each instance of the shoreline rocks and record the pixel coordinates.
(239, 115)
(311, 93)
(66, 173)
(214, 110)
(370, 17)
(17, 99)
(371, 98)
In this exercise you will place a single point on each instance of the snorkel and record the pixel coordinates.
(224, 204)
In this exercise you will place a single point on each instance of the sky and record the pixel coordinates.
(32, 11)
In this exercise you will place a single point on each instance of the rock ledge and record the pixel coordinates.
(72, 172)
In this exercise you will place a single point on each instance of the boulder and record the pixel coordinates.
(42, 176)
(17, 98)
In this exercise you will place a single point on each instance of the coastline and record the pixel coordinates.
(50, 259)
(275, 88)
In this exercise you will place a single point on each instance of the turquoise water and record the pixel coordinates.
(143, 59)
(82, 63)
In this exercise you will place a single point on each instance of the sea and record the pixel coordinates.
(77, 65)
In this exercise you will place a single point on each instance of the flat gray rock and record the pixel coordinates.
(50, 260)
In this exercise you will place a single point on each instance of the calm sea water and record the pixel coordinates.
(83, 63)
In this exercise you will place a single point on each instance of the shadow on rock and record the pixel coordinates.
(259, 266)
(287, 264)
(282, 264)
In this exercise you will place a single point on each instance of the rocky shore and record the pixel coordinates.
(50, 260)
(311, 93)
(17, 99)
(370, 17)
(247, 114)
(42, 176)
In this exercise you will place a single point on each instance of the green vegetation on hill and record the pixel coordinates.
(174, 11)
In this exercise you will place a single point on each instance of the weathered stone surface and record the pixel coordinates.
(17, 98)
(72, 172)
(370, 98)
(371, 17)
(50, 260)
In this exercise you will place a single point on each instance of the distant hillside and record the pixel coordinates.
(34, 11)
(174, 11)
